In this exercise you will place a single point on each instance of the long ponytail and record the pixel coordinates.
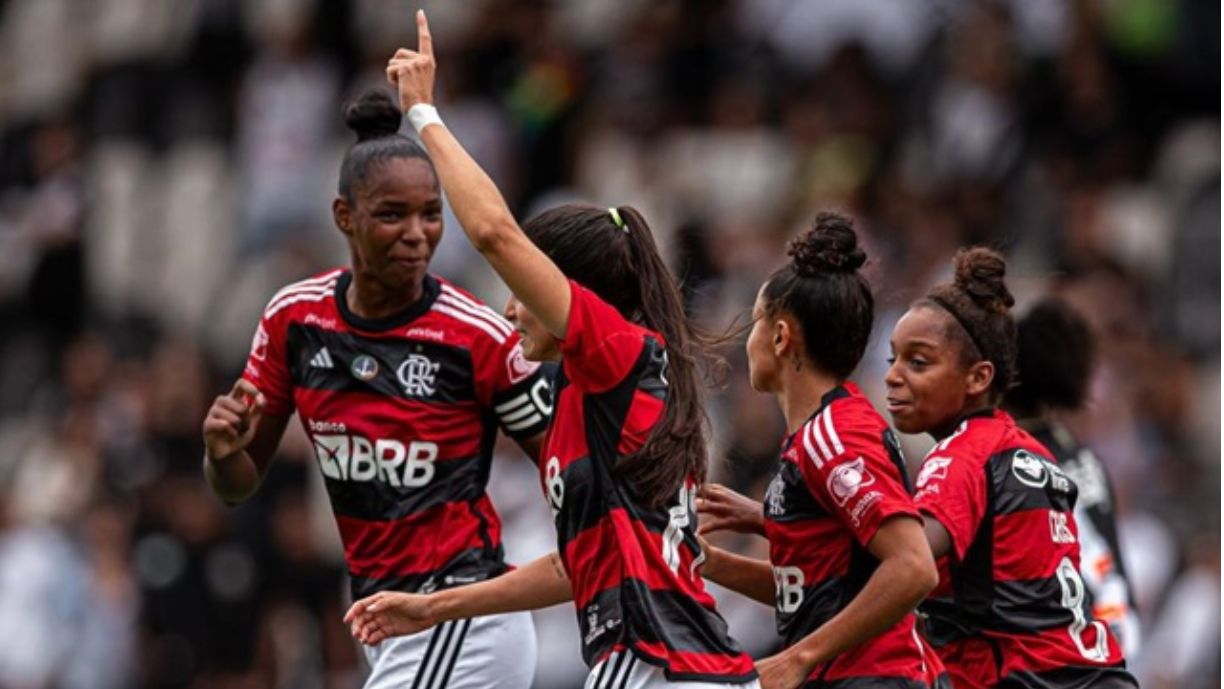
(613, 253)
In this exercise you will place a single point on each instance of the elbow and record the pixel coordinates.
(489, 237)
(925, 575)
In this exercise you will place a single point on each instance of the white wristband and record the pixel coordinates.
(422, 115)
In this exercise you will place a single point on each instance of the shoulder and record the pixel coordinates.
(463, 312)
(315, 290)
(848, 426)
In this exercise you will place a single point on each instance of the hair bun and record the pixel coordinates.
(979, 274)
(831, 246)
(372, 115)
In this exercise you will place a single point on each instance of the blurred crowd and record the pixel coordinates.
(166, 165)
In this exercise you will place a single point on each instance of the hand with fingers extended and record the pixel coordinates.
(412, 71)
(390, 613)
(232, 420)
(721, 509)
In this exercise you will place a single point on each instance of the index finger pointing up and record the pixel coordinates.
(424, 40)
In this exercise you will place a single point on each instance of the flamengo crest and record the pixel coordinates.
(418, 375)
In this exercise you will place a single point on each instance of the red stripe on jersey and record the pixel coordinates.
(806, 544)
(613, 550)
(1053, 649)
(1024, 547)
(405, 546)
(699, 664)
(644, 413)
(456, 428)
(891, 654)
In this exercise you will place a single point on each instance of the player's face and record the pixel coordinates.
(396, 220)
(927, 381)
(538, 343)
(762, 361)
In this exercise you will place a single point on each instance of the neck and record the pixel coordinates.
(371, 298)
(800, 393)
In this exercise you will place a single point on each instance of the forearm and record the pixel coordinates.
(890, 593)
(233, 479)
(744, 575)
(538, 584)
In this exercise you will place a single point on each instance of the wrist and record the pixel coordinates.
(422, 115)
(442, 606)
(712, 567)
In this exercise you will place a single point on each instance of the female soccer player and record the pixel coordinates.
(626, 446)
(848, 561)
(1055, 357)
(1011, 609)
(400, 380)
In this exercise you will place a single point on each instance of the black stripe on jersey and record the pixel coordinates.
(821, 601)
(683, 620)
(468, 567)
(791, 501)
(1027, 481)
(1028, 606)
(893, 447)
(604, 413)
(407, 369)
(454, 480)
(585, 511)
(1073, 678)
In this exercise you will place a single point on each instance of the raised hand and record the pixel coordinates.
(232, 419)
(721, 509)
(389, 613)
(412, 71)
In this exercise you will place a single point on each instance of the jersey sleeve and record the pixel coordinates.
(600, 346)
(847, 468)
(267, 366)
(952, 489)
(516, 389)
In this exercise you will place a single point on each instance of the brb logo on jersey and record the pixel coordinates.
(351, 457)
(418, 375)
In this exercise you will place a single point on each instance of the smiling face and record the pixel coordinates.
(930, 386)
(538, 343)
(394, 221)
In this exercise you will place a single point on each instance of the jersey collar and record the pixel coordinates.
(431, 289)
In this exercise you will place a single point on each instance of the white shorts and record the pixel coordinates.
(623, 670)
(494, 652)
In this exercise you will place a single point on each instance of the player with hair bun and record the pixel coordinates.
(848, 561)
(401, 380)
(1011, 609)
(1055, 357)
(626, 448)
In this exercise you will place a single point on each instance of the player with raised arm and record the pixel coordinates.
(626, 448)
(401, 381)
(1011, 609)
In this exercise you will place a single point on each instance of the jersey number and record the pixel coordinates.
(1073, 600)
(554, 485)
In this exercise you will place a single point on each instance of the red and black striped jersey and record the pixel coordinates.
(840, 477)
(633, 568)
(1011, 605)
(402, 413)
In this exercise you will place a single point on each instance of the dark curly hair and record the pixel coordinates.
(376, 120)
(823, 289)
(1055, 355)
(980, 305)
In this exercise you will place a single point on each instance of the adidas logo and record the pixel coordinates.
(322, 359)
